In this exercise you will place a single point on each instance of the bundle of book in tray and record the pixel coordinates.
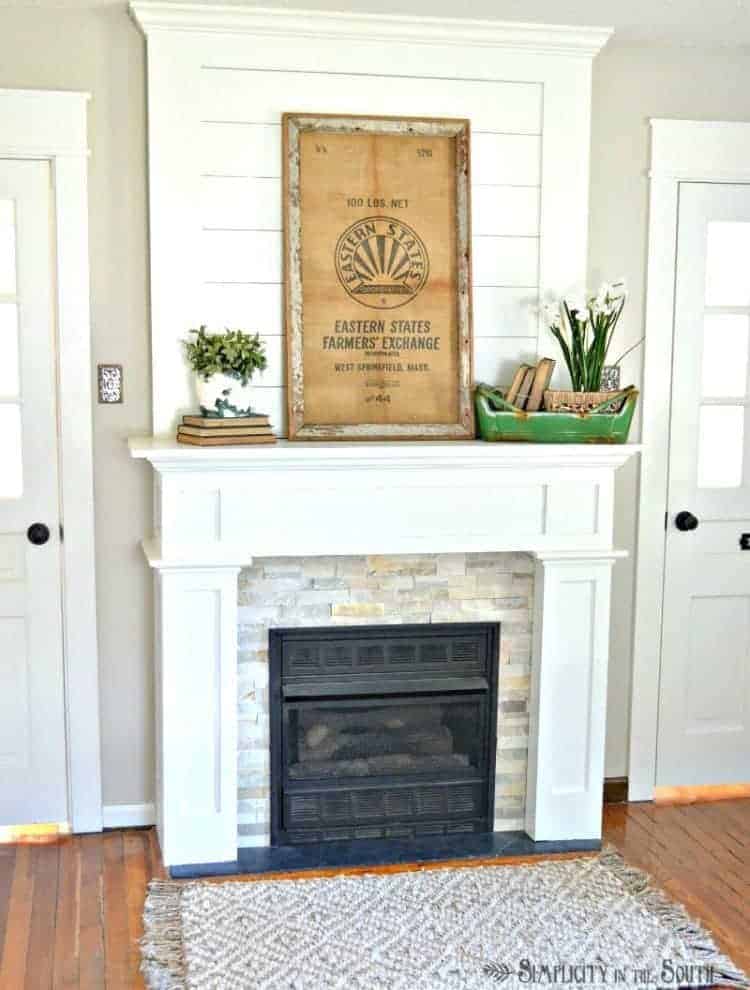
(239, 431)
(529, 384)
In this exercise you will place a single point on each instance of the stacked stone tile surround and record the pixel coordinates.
(320, 591)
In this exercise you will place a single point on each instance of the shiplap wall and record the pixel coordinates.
(240, 146)
(215, 106)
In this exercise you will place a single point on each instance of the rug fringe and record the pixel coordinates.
(697, 938)
(162, 962)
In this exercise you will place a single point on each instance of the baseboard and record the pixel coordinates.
(615, 790)
(128, 815)
(697, 795)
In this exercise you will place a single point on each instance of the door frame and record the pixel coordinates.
(49, 125)
(681, 151)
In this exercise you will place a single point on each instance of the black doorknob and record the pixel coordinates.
(686, 521)
(38, 534)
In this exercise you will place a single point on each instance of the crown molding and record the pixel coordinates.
(537, 39)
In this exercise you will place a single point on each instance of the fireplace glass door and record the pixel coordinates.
(396, 737)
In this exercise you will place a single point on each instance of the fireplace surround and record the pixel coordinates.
(218, 510)
(382, 731)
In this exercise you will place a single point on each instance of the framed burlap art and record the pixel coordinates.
(377, 269)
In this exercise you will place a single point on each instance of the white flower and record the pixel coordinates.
(582, 315)
(603, 295)
(576, 302)
(618, 289)
(551, 314)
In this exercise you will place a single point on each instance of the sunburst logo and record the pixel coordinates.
(381, 262)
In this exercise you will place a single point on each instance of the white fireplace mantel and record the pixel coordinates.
(216, 509)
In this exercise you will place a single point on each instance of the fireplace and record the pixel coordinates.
(382, 731)
(219, 511)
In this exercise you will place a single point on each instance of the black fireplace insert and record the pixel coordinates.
(382, 731)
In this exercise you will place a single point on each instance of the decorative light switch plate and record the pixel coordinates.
(109, 383)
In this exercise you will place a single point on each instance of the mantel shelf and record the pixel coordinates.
(167, 455)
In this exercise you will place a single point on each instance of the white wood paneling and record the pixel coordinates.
(240, 204)
(257, 306)
(236, 203)
(250, 96)
(504, 312)
(247, 150)
(497, 311)
(255, 256)
(496, 358)
(241, 256)
(240, 149)
(221, 92)
(506, 159)
(505, 210)
(273, 404)
(505, 261)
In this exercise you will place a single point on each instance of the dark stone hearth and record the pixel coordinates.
(380, 852)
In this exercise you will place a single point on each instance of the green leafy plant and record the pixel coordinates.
(233, 352)
(583, 326)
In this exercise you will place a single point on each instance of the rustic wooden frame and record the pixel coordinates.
(292, 125)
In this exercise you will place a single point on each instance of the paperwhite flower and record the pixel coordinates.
(576, 302)
(603, 296)
(583, 315)
(618, 290)
(551, 314)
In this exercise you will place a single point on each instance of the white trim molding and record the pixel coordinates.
(51, 125)
(128, 815)
(312, 25)
(681, 151)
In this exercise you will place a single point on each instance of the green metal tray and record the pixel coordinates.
(498, 420)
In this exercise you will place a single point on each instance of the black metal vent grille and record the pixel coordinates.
(334, 690)
(308, 657)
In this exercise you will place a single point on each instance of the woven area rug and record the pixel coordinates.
(588, 922)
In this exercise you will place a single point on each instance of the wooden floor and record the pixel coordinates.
(70, 911)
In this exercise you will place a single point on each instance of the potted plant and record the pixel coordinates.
(584, 326)
(224, 365)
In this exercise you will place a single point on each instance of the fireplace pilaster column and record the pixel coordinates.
(568, 696)
(196, 712)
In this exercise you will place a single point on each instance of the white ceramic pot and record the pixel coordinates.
(224, 396)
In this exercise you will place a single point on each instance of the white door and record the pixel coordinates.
(33, 785)
(704, 714)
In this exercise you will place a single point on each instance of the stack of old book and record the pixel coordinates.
(529, 384)
(238, 431)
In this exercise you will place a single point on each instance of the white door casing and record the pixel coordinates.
(704, 711)
(32, 716)
(682, 152)
(49, 127)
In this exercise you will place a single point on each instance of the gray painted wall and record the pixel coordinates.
(98, 49)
